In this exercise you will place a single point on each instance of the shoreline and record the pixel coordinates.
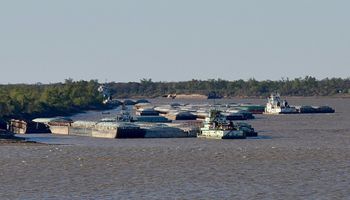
(8, 138)
(200, 97)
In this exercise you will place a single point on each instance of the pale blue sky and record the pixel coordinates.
(49, 41)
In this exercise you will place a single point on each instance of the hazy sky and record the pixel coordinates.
(173, 40)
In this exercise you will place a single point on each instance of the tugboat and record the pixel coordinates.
(216, 126)
(277, 106)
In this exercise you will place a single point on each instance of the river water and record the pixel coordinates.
(303, 156)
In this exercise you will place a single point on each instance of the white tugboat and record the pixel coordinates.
(216, 126)
(277, 106)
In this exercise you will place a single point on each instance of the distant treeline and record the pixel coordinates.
(307, 86)
(45, 100)
(30, 101)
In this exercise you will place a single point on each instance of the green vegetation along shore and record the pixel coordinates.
(307, 86)
(46, 100)
(28, 101)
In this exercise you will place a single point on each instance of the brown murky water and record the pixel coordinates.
(298, 157)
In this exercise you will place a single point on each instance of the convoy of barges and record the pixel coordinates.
(142, 119)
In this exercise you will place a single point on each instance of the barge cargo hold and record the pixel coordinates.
(254, 109)
(125, 130)
(99, 129)
(165, 131)
(25, 127)
(315, 109)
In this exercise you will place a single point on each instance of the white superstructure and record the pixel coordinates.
(277, 106)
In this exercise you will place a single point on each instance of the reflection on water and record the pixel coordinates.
(260, 137)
